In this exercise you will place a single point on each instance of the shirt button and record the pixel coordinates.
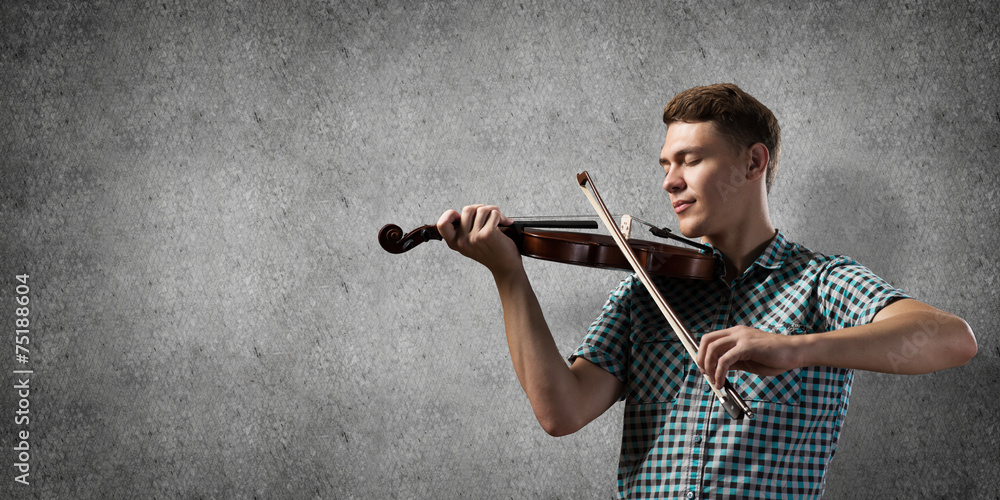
(690, 494)
(697, 439)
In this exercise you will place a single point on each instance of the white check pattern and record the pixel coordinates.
(677, 441)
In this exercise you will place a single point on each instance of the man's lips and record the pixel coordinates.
(681, 205)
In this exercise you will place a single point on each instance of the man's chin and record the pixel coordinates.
(690, 231)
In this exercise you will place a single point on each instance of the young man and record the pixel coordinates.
(786, 325)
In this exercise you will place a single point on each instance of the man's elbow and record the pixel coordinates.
(559, 431)
(964, 345)
(948, 340)
(558, 425)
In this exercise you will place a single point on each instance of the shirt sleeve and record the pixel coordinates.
(851, 294)
(607, 340)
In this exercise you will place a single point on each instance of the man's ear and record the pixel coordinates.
(759, 157)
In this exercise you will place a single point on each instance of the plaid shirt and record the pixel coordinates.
(677, 441)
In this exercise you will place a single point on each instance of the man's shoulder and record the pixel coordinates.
(829, 271)
(797, 256)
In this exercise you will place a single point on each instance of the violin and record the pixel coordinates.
(577, 248)
(617, 251)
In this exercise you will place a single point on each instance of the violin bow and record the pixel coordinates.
(728, 397)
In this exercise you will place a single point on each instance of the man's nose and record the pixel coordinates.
(673, 181)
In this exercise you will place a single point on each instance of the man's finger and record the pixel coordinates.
(446, 225)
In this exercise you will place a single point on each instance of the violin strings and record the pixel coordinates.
(662, 232)
(557, 217)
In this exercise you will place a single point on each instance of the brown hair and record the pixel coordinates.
(734, 113)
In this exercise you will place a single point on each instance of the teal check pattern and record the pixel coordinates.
(677, 442)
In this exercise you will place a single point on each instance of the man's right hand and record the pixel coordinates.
(475, 234)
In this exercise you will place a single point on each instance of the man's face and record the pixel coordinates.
(704, 176)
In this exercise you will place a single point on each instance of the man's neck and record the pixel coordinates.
(741, 248)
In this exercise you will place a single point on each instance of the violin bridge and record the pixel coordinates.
(626, 226)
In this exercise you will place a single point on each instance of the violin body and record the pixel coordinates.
(644, 258)
(582, 249)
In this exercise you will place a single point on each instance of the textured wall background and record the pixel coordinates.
(195, 193)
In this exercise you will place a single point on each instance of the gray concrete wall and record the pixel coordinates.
(195, 193)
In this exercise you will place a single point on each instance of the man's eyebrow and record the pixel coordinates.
(690, 150)
(685, 151)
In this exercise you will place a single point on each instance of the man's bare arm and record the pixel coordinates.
(905, 337)
(564, 398)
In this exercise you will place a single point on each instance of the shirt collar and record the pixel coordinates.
(773, 256)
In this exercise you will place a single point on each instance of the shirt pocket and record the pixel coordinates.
(782, 388)
(659, 363)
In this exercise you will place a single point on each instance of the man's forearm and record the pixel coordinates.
(910, 338)
(544, 375)
(564, 398)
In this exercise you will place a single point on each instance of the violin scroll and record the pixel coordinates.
(393, 240)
